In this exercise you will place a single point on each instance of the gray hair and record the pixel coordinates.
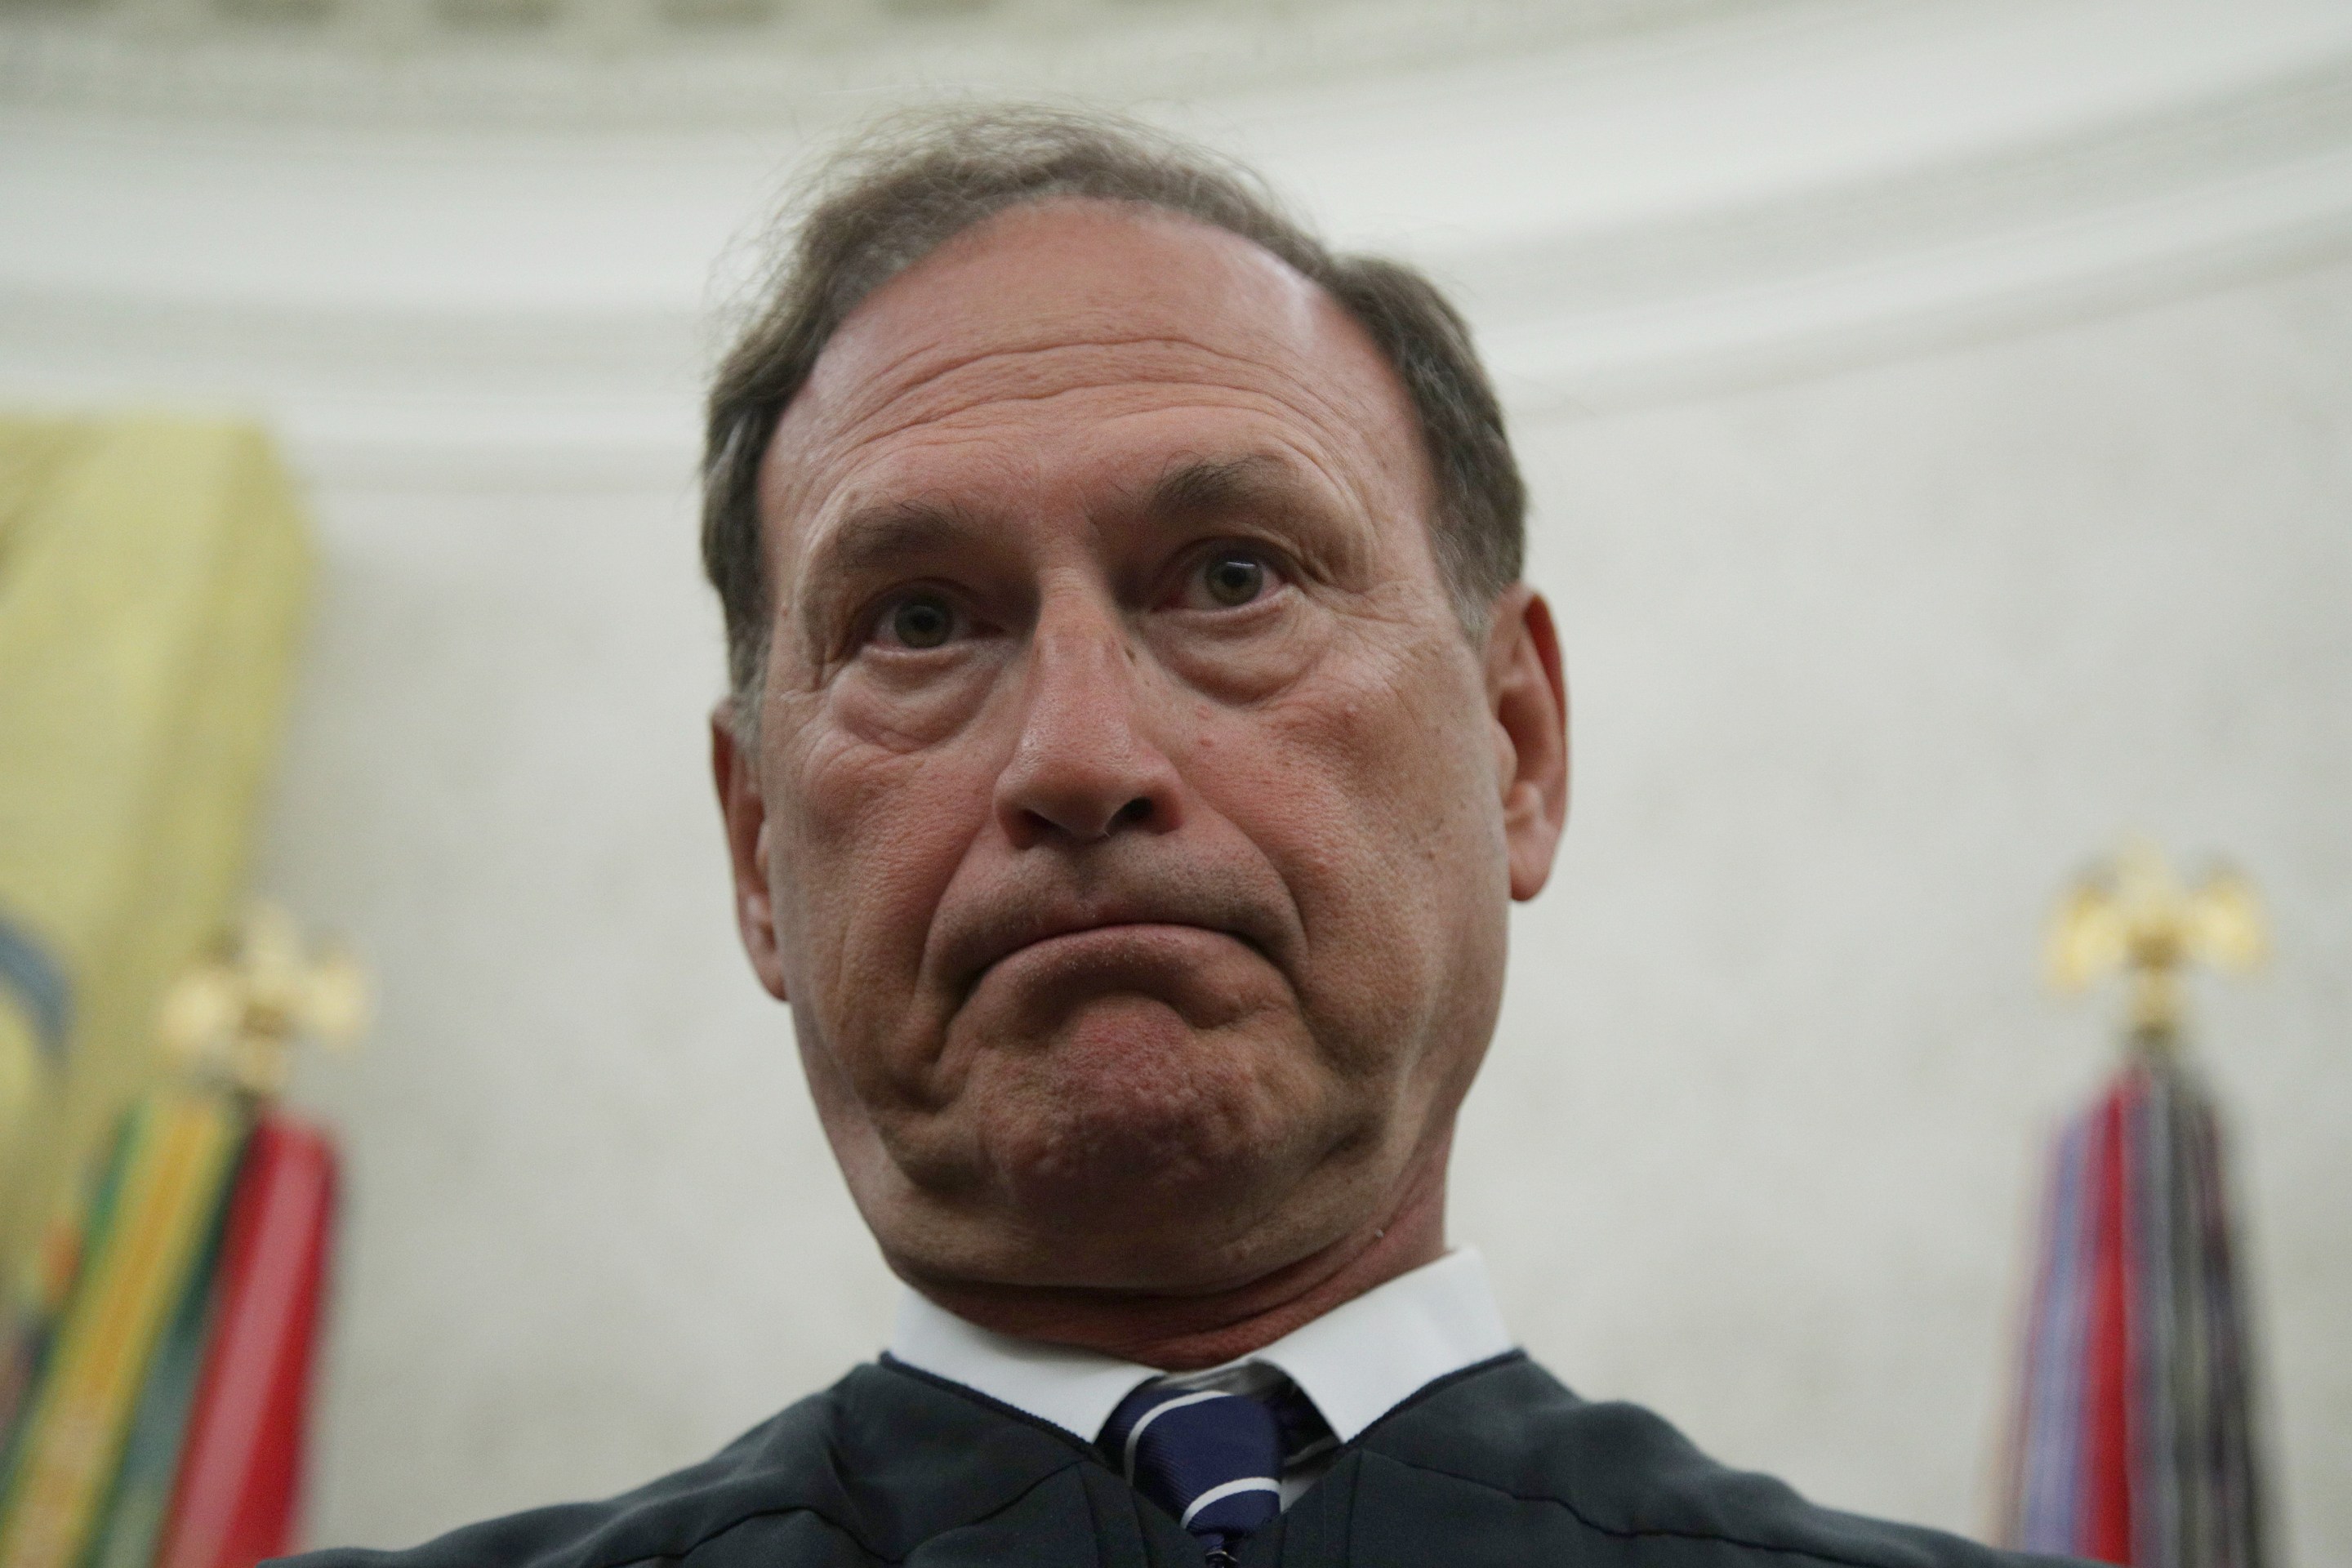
(890, 198)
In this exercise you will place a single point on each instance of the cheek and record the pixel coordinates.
(875, 832)
(1367, 785)
(1248, 669)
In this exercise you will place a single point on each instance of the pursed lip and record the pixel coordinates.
(988, 939)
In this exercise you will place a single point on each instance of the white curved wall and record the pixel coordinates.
(1941, 424)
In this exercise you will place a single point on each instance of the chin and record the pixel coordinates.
(1126, 1132)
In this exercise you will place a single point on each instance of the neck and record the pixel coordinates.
(1184, 1334)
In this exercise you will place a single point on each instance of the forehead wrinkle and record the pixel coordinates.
(1116, 375)
(1300, 447)
(880, 376)
(1339, 418)
(1313, 411)
(1295, 457)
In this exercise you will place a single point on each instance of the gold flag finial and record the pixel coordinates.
(234, 1015)
(2131, 913)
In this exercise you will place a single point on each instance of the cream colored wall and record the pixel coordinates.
(1940, 415)
(1862, 665)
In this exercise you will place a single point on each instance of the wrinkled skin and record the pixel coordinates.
(1130, 821)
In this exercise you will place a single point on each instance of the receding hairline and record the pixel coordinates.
(914, 182)
(967, 244)
(1325, 324)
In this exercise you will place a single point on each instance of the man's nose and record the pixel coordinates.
(1085, 765)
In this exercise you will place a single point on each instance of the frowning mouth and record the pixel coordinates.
(1114, 934)
(1152, 957)
(1076, 942)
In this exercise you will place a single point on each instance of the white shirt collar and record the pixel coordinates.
(1357, 1362)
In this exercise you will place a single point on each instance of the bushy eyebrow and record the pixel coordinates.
(1203, 487)
(879, 536)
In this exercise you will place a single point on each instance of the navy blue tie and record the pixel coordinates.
(1214, 1460)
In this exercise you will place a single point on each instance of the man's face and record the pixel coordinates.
(1130, 821)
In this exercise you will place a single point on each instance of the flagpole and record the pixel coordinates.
(2133, 1441)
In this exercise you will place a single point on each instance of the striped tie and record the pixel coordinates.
(1212, 1459)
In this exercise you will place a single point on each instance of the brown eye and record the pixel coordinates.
(1233, 580)
(925, 620)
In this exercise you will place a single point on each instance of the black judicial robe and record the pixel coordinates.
(1497, 1464)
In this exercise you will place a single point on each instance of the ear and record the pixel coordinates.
(1528, 696)
(734, 768)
